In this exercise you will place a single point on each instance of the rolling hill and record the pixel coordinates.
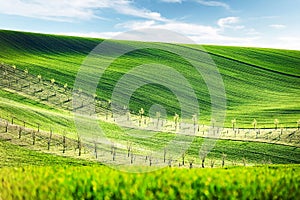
(259, 83)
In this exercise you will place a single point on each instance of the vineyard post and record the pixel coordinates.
(223, 159)
(79, 145)
(64, 143)
(233, 122)
(33, 137)
(49, 139)
(20, 132)
(212, 162)
(131, 157)
(170, 162)
(191, 163)
(6, 126)
(183, 157)
(128, 148)
(95, 150)
(150, 161)
(165, 153)
(276, 122)
(298, 123)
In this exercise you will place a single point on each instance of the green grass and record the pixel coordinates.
(259, 83)
(16, 156)
(268, 182)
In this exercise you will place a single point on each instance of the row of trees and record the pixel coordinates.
(176, 119)
(141, 112)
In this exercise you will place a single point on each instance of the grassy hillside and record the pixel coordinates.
(62, 122)
(15, 156)
(259, 83)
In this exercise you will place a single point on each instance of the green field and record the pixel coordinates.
(259, 83)
(268, 182)
(245, 163)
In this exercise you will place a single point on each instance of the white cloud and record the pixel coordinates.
(214, 4)
(181, 27)
(172, 1)
(202, 2)
(198, 33)
(277, 26)
(65, 10)
(228, 21)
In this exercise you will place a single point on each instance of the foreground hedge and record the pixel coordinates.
(87, 182)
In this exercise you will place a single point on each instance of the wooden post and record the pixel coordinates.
(223, 159)
(64, 144)
(33, 137)
(165, 153)
(79, 146)
(20, 132)
(49, 140)
(95, 150)
(6, 126)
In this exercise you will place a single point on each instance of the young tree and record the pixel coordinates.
(254, 123)
(5, 74)
(223, 159)
(108, 107)
(191, 161)
(195, 122)
(52, 81)
(233, 122)
(213, 121)
(26, 72)
(141, 113)
(128, 114)
(244, 161)
(65, 87)
(158, 117)
(202, 156)
(39, 77)
(170, 161)
(276, 122)
(212, 163)
(176, 120)
(14, 68)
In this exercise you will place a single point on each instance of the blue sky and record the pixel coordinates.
(262, 23)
